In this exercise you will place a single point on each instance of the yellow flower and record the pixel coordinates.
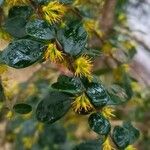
(54, 11)
(82, 104)
(12, 3)
(107, 145)
(28, 142)
(108, 112)
(53, 53)
(10, 115)
(136, 86)
(130, 147)
(83, 66)
(89, 25)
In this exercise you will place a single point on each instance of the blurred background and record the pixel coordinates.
(127, 25)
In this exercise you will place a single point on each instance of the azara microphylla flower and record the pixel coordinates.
(54, 11)
(108, 112)
(107, 145)
(130, 147)
(53, 53)
(82, 104)
(83, 66)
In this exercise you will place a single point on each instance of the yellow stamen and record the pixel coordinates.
(107, 145)
(83, 67)
(130, 147)
(108, 112)
(54, 11)
(82, 103)
(53, 53)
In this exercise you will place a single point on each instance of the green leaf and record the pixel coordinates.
(73, 38)
(121, 137)
(53, 107)
(40, 29)
(99, 124)
(21, 11)
(23, 53)
(67, 84)
(97, 94)
(16, 26)
(93, 53)
(89, 145)
(22, 108)
(133, 132)
(117, 95)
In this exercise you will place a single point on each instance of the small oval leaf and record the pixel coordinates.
(97, 94)
(22, 108)
(23, 53)
(73, 38)
(40, 29)
(67, 84)
(99, 124)
(121, 137)
(54, 106)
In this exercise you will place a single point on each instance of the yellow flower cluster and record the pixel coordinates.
(82, 103)
(107, 145)
(108, 112)
(130, 147)
(83, 67)
(54, 11)
(53, 54)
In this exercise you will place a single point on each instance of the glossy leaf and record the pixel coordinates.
(121, 137)
(22, 53)
(99, 124)
(117, 95)
(67, 84)
(40, 29)
(16, 26)
(73, 38)
(133, 132)
(89, 145)
(54, 106)
(97, 94)
(21, 11)
(22, 108)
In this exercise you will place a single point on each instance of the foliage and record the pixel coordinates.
(61, 32)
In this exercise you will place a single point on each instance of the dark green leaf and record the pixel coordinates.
(22, 108)
(117, 95)
(133, 132)
(40, 29)
(99, 124)
(89, 145)
(22, 53)
(121, 137)
(97, 94)
(73, 38)
(16, 26)
(53, 107)
(67, 84)
(20, 11)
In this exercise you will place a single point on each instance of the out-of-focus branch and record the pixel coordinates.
(107, 18)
